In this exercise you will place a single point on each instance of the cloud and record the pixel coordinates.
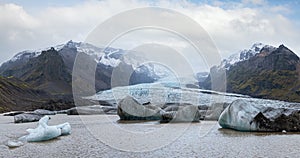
(231, 29)
(255, 2)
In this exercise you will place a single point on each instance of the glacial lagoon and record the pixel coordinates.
(204, 139)
(107, 136)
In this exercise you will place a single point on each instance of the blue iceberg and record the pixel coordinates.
(44, 132)
(275, 116)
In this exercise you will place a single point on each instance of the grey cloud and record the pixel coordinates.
(230, 29)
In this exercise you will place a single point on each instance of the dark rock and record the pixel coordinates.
(131, 109)
(283, 120)
(203, 107)
(173, 105)
(13, 113)
(105, 103)
(62, 111)
(188, 113)
(214, 111)
(194, 86)
(90, 110)
(86, 110)
(27, 117)
(171, 108)
(202, 114)
(110, 110)
(44, 112)
(166, 117)
(32, 116)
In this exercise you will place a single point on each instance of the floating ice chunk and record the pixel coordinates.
(44, 132)
(245, 115)
(65, 128)
(239, 115)
(14, 143)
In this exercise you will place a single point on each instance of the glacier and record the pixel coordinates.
(169, 90)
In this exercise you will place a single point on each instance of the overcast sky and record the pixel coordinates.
(232, 25)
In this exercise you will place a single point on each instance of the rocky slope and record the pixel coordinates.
(18, 95)
(272, 73)
(45, 72)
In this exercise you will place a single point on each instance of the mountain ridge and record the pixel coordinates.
(273, 73)
(35, 67)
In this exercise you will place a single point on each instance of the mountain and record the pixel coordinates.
(272, 73)
(201, 76)
(18, 95)
(243, 55)
(46, 71)
(50, 69)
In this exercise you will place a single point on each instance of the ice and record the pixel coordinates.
(260, 115)
(65, 128)
(167, 90)
(44, 132)
(14, 143)
(238, 115)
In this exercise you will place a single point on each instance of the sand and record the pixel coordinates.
(104, 136)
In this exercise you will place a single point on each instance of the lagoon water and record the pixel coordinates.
(105, 136)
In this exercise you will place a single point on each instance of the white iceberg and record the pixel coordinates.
(44, 132)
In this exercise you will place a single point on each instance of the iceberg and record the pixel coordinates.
(247, 115)
(239, 115)
(44, 132)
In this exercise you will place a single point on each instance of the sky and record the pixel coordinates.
(233, 25)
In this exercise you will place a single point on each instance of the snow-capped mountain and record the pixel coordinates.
(243, 55)
(27, 54)
(58, 61)
(201, 76)
(105, 56)
(263, 71)
(219, 71)
(110, 57)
